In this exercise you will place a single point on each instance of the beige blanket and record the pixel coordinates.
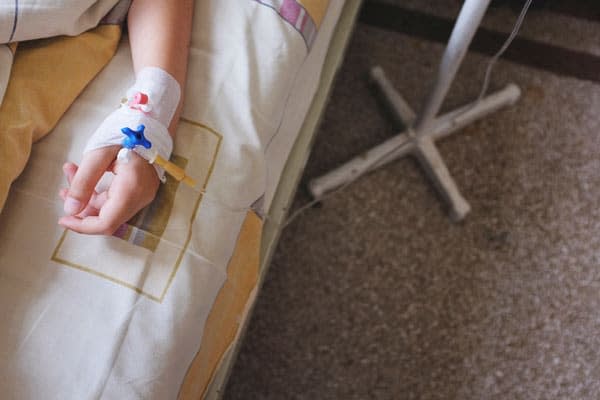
(40, 79)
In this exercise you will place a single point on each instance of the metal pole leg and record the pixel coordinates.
(395, 102)
(419, 140)
(359, 165)
(432, 163)
(403, 144)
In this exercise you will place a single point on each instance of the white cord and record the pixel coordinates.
(499, 53)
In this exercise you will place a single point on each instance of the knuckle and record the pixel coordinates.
(81, 190)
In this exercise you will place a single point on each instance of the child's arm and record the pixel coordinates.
(159, 34)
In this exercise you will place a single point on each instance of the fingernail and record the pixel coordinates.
(72, 206)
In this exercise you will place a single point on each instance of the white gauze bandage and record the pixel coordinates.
(152, 102)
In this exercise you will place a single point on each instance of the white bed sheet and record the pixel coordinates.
(129, 322)
(299, 101)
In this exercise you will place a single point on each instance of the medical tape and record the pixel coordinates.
(152, 101)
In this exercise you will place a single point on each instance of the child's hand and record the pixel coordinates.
(134, 186)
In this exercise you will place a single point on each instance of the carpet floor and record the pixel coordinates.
(376, 294)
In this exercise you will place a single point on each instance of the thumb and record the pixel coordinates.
(83, 183)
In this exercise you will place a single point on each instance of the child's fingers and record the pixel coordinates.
(97, 199)
(91, 225)
(63, 193)
(109, 218)
(92, 208)
(69, 169)
(94, 205)
(133, 187)
(86, 176)
(118, 207)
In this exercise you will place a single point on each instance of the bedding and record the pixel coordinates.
(150, 311)
(46, 75)
(22, 20)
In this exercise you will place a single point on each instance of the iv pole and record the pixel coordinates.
(419, 138)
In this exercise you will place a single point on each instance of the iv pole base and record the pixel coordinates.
(419, 144)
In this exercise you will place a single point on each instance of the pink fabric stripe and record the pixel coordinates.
(290, 10)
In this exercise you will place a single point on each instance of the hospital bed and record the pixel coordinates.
(159, 309)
